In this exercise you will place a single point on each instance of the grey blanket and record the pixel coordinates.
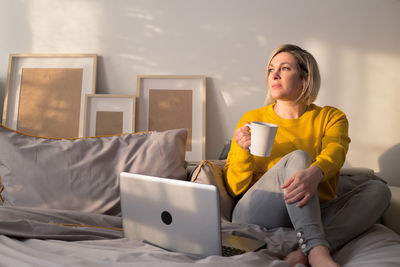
(43, 237)
(58, 224)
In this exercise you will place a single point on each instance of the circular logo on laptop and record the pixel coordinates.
(166, 217)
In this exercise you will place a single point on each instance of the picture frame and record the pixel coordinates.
(174, 101)
(109, 114)
(32, 103)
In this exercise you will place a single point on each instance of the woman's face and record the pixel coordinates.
(283, 77)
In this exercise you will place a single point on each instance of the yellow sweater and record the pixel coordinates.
(320, 131)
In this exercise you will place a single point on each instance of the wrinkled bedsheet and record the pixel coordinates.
(38, 237)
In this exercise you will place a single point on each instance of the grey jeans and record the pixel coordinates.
(331, 224)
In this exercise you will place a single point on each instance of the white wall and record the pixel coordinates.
(356, 42)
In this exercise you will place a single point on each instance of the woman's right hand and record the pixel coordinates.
(242, 137)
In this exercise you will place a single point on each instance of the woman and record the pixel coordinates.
(296, 185)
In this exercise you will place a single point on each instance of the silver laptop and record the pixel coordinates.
(178, 216)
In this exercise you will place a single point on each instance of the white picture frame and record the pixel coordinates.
(17, 62)
(109, 103)
(195, 85)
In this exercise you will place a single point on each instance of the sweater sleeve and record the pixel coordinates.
(334, 144)
(239, 167)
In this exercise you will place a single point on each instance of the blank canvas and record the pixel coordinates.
(109, 122)
(171, 109)
(50, 101)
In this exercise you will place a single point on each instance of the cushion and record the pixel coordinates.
(212, 173)
(82, 174)
(391, 217)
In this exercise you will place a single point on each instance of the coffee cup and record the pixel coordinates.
(262, 138)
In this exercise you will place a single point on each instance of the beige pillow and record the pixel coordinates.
(82, 174)
(212, 173)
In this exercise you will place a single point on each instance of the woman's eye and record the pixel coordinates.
(270, 70)
(285, 68)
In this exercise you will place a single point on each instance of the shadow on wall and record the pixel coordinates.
(389, 165)
(215, 121)
(101, 77)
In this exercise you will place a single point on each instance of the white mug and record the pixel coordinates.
(262, 138)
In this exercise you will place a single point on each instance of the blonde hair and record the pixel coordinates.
(308, 70)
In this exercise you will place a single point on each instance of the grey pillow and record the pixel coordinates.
(82, 174)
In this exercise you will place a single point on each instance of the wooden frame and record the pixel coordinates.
(18, 63)
(169, 95)
(122, 104)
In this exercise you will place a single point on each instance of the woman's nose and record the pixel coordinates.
(276, 75)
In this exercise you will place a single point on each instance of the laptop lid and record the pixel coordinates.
(175, 215)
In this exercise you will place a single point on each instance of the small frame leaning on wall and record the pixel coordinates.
(107, 114)
(174, 101)
(45, 93)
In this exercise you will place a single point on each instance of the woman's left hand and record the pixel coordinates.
(302, 185)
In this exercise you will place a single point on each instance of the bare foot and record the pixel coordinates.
(319, 256)
(296, 257)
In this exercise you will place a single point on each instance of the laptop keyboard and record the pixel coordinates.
(230, 251)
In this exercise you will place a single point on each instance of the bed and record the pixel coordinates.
(60, 205)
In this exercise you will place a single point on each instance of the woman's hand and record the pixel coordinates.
(242, 137)
(302, 185)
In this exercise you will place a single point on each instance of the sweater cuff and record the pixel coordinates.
(326, 169)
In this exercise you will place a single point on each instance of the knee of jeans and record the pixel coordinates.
(302, 154)
(379, 193)
(293, 162)
(301, 157)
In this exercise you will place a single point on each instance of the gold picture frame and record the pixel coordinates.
(108, 114)
(45, 93)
